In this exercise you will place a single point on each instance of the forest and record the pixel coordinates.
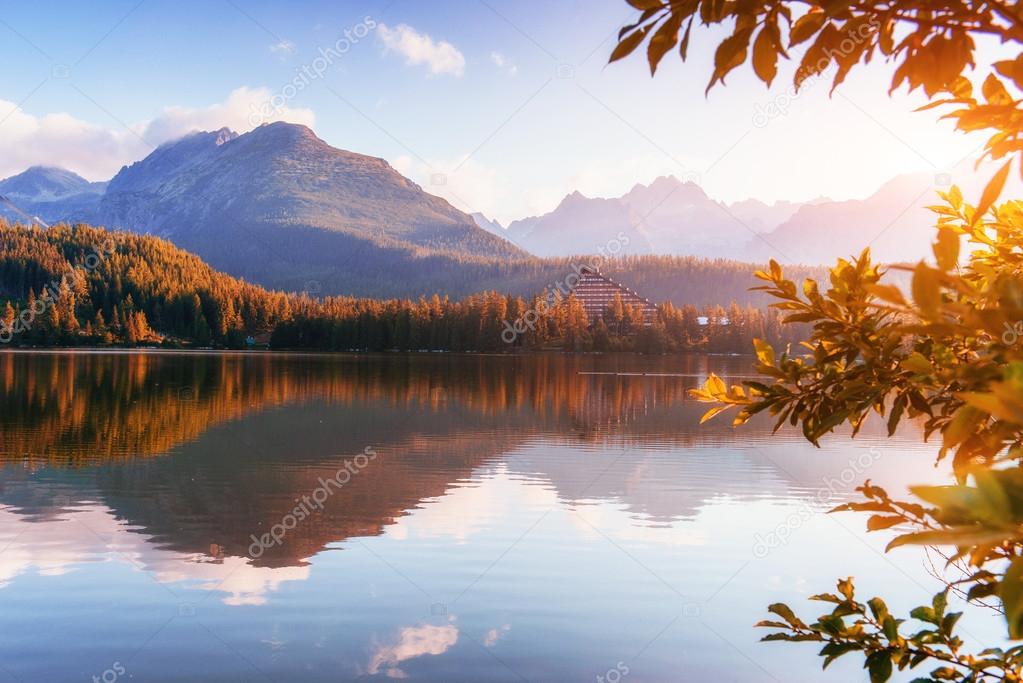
(86, 286)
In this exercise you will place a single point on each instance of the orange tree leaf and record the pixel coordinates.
(991, 192)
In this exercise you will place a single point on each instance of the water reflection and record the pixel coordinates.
(510, 500)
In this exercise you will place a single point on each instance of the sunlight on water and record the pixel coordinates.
(435, 518)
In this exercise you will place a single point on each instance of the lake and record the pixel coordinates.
(266, 517)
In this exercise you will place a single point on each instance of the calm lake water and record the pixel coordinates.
(234, 517)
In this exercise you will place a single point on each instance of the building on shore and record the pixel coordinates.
(596, 291)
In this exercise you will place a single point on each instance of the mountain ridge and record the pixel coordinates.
(279, 206)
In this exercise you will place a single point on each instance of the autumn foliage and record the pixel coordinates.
(948, 353)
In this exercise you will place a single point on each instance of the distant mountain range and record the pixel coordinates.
(672, 217)
(280, 207)
(667, 216)
(48, 194)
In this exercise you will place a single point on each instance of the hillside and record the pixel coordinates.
(281, 207)
(91, 286)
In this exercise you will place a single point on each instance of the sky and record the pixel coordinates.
(500, 106)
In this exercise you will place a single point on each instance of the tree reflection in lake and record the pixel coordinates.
(526, 496)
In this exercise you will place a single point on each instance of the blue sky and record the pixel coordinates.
(501, 106)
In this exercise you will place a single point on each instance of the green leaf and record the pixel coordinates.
(948, 624)
(833, 651)
(891, 628)
(918, 363)
(879, 664)
(878, 608)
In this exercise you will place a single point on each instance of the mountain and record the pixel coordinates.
(47, 183)
(894, 221)
(280, 206)
(671, 217)
(762, 217)
(668, 217)
(49, 193)
(580, 225)
(493, 227)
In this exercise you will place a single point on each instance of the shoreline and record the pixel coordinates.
(115, 350)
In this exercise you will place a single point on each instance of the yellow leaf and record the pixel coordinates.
(994, 91)
(991, 192)
(926, 289)
(962, 425)
(712, 412)
(946, 249)
(1011, 593)
(889, 293)
(715, 386)
(765, 354)
(955, 197)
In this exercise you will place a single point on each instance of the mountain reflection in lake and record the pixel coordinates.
(524, 518)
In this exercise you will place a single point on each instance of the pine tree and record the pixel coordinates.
(8, 317)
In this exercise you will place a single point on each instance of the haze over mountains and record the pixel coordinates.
(668, 216)
(281, 207)
(673, 217)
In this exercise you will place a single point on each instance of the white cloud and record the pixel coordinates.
(502, 63)
(98, 152)
(283, 47)
(57, 546)
(441, 57)
(412, 642)
(235, 113)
